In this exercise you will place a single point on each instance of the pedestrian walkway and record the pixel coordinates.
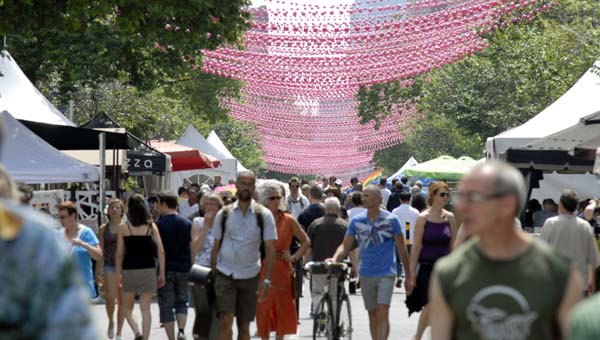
(401, 326)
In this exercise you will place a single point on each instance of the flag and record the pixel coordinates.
(372, 177)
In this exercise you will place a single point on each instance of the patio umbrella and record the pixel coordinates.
(442, 168)
(185, 158)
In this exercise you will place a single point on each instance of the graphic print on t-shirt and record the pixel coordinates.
(511, 321)
(369, 235)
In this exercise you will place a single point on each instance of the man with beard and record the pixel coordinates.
(502, 283)
(236, 258)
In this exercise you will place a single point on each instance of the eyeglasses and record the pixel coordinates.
(474, 197)
(116, 207)
(274, 198)
(443, 194)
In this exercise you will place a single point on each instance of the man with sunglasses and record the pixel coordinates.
(296, 202)
(502, 283)
(189, 207)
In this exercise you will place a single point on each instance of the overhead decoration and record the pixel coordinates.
(302, 65)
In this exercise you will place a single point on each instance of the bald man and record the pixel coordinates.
(378, 234)
(502, 283)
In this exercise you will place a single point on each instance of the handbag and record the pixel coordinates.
(204, 276)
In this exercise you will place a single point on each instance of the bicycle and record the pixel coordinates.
(332, 318)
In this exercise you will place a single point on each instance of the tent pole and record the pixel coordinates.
(102, 144)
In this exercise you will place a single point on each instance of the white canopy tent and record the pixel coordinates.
(22, 99)
(30, 159)
(581, 100)
(215, 141)
(409, 163)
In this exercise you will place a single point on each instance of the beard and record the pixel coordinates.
(245, 196)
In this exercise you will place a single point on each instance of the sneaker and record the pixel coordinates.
(399, 283)
(180, 336)
(139, 337)
(97, 300)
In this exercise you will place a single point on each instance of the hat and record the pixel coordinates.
(205, 188)
(338, 182)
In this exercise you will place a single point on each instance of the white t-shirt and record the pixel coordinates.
(406, 213)
(185, 210)
(385, 195)
(355, 212)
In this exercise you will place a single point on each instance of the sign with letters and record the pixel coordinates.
(139, 162)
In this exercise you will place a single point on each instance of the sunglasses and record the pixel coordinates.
(443, 194)
(294, 187)
(274, 198)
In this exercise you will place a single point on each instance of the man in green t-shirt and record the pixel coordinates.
(501, 284)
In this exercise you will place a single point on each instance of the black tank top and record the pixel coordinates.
(139, 250)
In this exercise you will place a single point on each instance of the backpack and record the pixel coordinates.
(259, 221)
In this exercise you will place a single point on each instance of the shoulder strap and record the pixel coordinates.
(224, 216)
(129, 227)
(259, 219)
(150, 227)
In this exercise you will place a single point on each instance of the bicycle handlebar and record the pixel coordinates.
(325, 264)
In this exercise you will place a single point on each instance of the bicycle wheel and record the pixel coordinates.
(323, 320)
(344, 329)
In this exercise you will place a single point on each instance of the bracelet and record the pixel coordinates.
(267, 282)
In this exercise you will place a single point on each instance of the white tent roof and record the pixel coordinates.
(409, 163)
(30, 159)
(192, 138)
(215, 141)
(579, 101)
(22, 99)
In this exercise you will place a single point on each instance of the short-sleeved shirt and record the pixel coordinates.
(186, 210)
(377, 243)
(407, 214)
(574, 238)
(42, 292)
(175, 234)
(326, 234)
(296, 206)
(84, 259)
(239, 253)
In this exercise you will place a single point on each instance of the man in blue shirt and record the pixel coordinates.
(378, 232)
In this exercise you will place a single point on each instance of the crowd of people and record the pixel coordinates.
(464, 262)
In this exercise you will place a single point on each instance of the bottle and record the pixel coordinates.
(352, 284)
(407, 239)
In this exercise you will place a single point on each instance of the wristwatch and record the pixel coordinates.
(267, 282)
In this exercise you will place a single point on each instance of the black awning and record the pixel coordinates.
(76, 138)
(548, 160)
(141, 158)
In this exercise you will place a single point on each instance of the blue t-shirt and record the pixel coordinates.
(376, 242)
(84, 259)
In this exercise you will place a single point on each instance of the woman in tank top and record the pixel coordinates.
(138, 243)
(435, 230)
(106, 271)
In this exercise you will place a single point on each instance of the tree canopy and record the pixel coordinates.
(524, 69)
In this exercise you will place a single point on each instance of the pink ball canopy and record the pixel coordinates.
(303, 64)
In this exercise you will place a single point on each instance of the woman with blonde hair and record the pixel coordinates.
(138, 243)
(106, 269)
(278, 312)
(435, 231)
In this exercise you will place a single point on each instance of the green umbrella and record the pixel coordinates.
(442, 168)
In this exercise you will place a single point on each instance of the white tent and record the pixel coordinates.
(215, 141)
(409, 163)
(30, 159)
(228, 169)
(22, 99)
(581, 100)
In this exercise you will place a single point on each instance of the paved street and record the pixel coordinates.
(401, 326)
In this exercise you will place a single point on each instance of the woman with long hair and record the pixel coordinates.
(202, 244)
(278, 312)
(106, 269)
(138, 243)
(435, 230)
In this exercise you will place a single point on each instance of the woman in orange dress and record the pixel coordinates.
(278, 312)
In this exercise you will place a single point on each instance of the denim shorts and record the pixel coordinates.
(173, 297)
(109, 269)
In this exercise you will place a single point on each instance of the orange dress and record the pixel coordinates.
(278, 311)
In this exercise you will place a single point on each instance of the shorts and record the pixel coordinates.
(139, 280)
(173, 296)
(109, 269)
(377, 290)
(236, 296)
